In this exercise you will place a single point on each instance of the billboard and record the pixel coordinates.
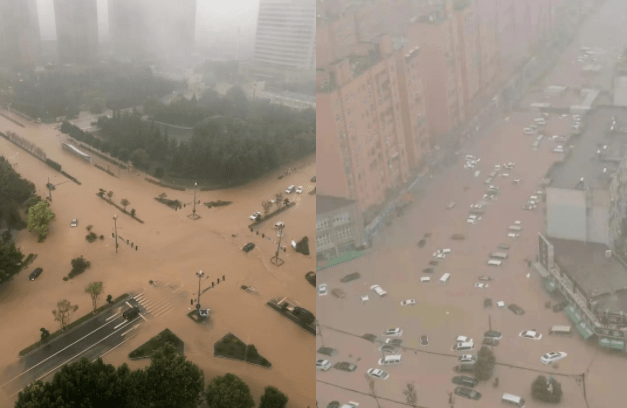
(546, 253)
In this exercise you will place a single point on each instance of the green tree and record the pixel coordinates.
(63, 313)
(110, 299)
(110, 194)
(44, 335)
(273, 398)
(229, 391)
(302, 246)
(10, 258)
(546, 390)
(278, 200)
(39, 217)
(95, 290)
(174, 381)
(485, 364)
(79, 265)
(266, 205)
(124, 203)
(97, 105)
(159, 172)
(139, 158)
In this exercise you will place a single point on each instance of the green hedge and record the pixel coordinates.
(232, 347)
(148, 348)
(53, 164)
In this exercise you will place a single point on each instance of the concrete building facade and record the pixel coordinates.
(286, 34)
(339, 227)
(20, 38)
(77, 31)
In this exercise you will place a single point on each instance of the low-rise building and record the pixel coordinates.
(339, 228)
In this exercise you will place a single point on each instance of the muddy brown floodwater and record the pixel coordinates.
(445, 311)
(171, 249)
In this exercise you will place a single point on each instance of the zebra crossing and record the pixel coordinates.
(156, 308)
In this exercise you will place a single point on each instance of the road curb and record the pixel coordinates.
(73, 328)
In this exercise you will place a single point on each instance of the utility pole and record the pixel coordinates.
(200, 274)
(115, 226)
(49, 190)
(278, 249)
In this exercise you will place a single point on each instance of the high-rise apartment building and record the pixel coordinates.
(77, 31)
(20, 39)
(152, 29)
(361, 123)
(286, 34)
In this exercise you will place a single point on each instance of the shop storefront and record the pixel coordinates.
(612, 343)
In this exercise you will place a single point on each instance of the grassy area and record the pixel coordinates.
(232, 347)
(71, 325)
(148, 348)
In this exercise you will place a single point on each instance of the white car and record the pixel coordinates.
(516, 180)
(481, 285)
(505, 175)
(463, 339)
(493, 188)
(395, 332)
(377, 373)
(74, 223)
(470, 157)
(254, 216)
(476, 206)
(378, 290)
(513, 235)
(466, 358)
(528, 131)
(497, 167)
(517, 222)
(552, 356)
(323, 365)
(489, 196)
(558, 149)
(473, 221)
(299, 189)
(323, 289)
(539, 192)
(408, 302)
(279, 225)
(364, 298)
(425, 279)
(530, 334)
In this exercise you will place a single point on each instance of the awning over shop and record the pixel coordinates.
(612, 343)
(574, 316)
(549, 285)
(587, 332)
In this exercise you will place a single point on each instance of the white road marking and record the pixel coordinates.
(115, 315)
(132, 328)
(43, 361)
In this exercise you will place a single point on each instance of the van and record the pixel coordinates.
(391, 359)
(131, 313)
(425, 279)
(494, 262)
(514, 228)
(540, 121)
(445, 278)
(561, 330)
(290, 189)
(514, 400)
(499, 255)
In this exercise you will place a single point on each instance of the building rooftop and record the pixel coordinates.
(325, 204)
(584, 159)
(588, 266)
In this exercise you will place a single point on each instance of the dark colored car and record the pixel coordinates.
(433, 263)
(327, 351)
(428, 270)
(458, 237)
(516, 309)
(493, 334)
(560, 306)
(395, 342)
(422, 243)
(504, 246)
(131, 313)
(248, 247)
(370, 337)
(389, 348)
(465, 381)
(313, 179)
(345, 366)
(35, 274)
(350, 277)
(333, 404)
(311, 278)
(424, 340)
(489, 341)
(465, 368)
(467, 393)
(487, 302)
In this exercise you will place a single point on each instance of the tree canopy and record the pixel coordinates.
(39, 218)
(229, 391)
(485, 363)
(14, 191)
(10, 258)
(546, 390)
(273, 398)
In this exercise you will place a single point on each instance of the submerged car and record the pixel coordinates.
(345, 366)
(552, 357)
(74, 223)
(408, 302)
(489, 341)
(323, 365)
(424, 340)
(530, 334)
(516, 309)
(467, 393)
(35, 274)
(465, 381)
(493, 334)
(248, 247)
(350, 277)
(396, 332)
(255, 215)
(377, 373)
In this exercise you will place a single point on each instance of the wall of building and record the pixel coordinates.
(339, 231)
(598, 219)
(566, 214)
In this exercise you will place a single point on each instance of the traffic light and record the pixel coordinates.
(212, 284)
(218, 280)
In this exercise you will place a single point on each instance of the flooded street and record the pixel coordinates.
(171, 248)
(445, 311)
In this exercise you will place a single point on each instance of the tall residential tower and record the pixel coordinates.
(19, 33)
(77, 31)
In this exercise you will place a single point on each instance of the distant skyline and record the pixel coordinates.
(212, 16)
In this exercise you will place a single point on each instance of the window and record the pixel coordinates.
(344, 233)
(337, 118)
(341, 219)
(322, 239)
(322, 224)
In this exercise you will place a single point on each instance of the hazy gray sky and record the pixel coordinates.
(211, 16)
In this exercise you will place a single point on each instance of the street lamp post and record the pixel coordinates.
(200, 274)
(115, 226)
(193, 215)
(276, 260)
